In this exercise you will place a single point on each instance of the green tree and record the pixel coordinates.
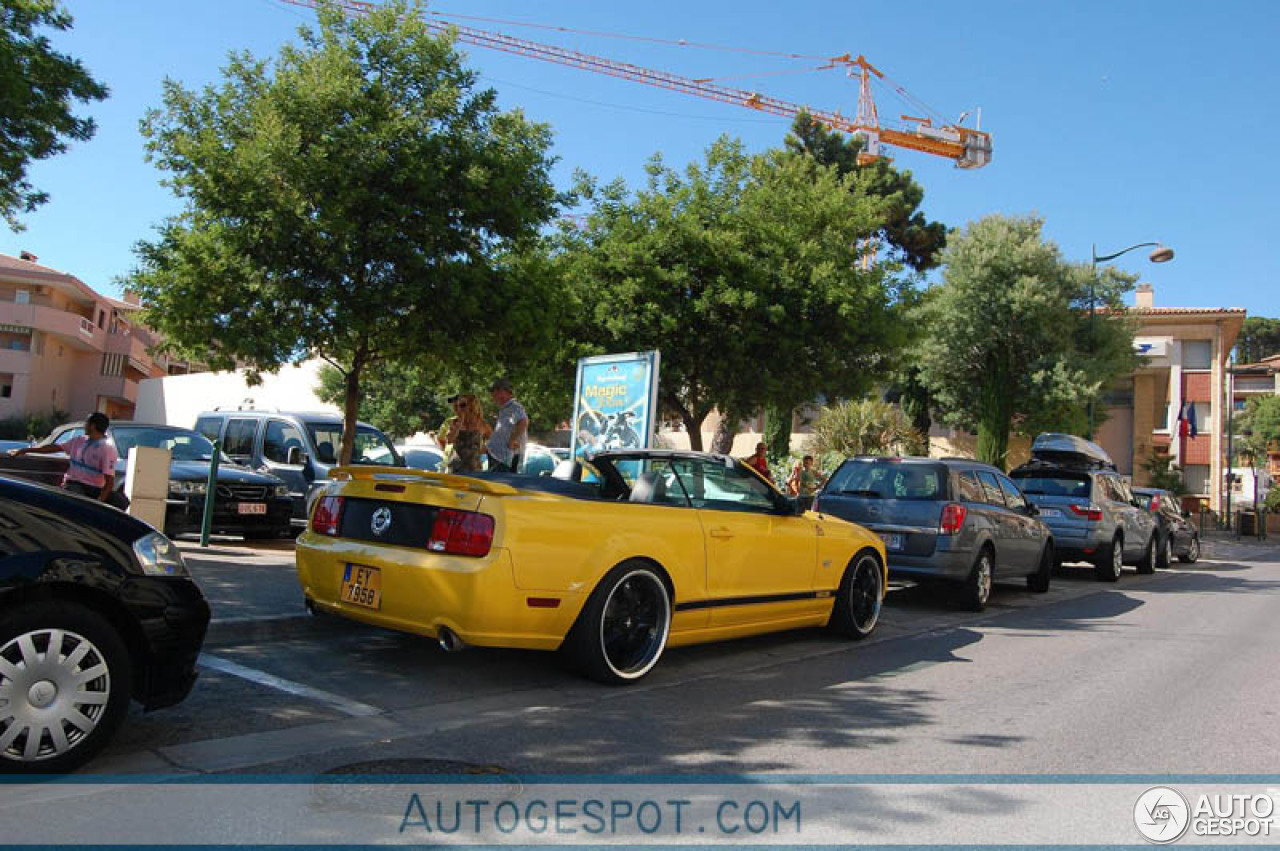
(356, 199)
(866, 427)
(908, 235)
(1259, 338)
(1258, 428)
(401, 400)
(742, 271)
(40, 88)
(1163, 474)
(1011, 344)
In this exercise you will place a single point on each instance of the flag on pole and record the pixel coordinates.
(1191, 419)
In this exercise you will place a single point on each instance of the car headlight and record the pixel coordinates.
(187, 488)
(158, 556)
(281, 490)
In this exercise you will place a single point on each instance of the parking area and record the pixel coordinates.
(282, 690)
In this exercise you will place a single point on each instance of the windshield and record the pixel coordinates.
(372, 446)
(884, 478)
(1076, 487)
(185, 445)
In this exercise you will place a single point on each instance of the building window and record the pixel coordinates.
(22, 297)
(1196, 477)
(6, 386)
(1197, 354)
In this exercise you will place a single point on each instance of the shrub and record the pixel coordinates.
(865, 427)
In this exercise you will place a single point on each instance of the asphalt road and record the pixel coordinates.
(1168, 673)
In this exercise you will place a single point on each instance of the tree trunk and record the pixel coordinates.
(350, 409)
(722, 443)
(693, 427)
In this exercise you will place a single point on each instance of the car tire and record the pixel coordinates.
(1147, 564)
(53, 728)
(1193, 551)
(976, 590)
(1166, 552)
(621, 633)
(1110, 562)
(1038, 582)
(861, 594)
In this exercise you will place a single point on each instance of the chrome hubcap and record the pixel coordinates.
(1117, 558)
(984, 579)
(54, 689)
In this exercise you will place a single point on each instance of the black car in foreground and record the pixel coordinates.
(96, 609)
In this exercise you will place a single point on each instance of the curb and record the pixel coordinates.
(240, 630)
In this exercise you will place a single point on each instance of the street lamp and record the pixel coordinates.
(1159, 254)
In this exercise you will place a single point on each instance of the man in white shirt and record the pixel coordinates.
(511, 431)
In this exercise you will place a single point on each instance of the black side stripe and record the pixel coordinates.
(693, 605)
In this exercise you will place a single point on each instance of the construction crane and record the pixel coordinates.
(967, 148)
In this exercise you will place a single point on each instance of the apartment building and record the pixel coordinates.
(1252, 381)
(65, 347)
(1186, 350)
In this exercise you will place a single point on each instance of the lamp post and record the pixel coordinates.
(1159, 254)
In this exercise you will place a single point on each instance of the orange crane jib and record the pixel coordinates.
(965, 147)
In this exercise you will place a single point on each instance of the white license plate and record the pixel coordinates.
(892, 542)
(1050, 512)
(252, 508)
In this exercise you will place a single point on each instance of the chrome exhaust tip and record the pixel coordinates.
(449, 641)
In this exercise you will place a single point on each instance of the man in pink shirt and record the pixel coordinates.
(91, 471)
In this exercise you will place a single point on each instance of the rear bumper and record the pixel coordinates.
(422, 592)
(943, 564)
(173, 617)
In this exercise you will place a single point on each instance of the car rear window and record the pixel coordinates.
(1059, 484)
(889, 479)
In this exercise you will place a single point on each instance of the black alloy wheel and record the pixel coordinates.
(861, 594)
(623, 629)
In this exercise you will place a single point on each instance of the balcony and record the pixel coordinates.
(115, 387)
(69, 328)
(134, 349)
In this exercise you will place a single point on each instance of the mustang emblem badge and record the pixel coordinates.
(381, 521)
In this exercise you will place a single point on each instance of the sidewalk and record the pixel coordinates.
(252, 589)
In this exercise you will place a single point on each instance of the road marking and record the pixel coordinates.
(344, 705)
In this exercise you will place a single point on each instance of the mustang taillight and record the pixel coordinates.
(461, 533)
(1092, 513)
(327, 518)
(953, 514)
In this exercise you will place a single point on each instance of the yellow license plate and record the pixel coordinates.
(362, 586)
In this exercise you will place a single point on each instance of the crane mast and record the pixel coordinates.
(967, 148)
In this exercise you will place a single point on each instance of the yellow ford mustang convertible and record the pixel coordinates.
(611, 561)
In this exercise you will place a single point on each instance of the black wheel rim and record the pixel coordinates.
(864, 594)
(633, 630)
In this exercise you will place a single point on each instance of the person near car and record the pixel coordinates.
(444, 434)
(759, 461)
(466, 435)
(511, 430)
(91, 470)
(805, 481)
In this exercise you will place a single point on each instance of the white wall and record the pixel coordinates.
(179, 399)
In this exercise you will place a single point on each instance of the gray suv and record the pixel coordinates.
(299, 448)
(944, 518)
(1091, 510)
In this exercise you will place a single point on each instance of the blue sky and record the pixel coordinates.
(1117, 122)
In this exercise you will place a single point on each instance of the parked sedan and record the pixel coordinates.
(1176, 535)
(949, 519)
(248, 503)
(96, 608)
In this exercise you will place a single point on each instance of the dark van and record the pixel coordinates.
(300, 448)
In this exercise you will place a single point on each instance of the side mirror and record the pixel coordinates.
(1186, 515)
(296, 457)
(1033, 510)
(790, 505)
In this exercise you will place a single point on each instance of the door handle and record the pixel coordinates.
(721, 532)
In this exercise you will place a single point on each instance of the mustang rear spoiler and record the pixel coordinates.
(408, 474)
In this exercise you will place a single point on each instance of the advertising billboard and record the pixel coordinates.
(615, 403)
